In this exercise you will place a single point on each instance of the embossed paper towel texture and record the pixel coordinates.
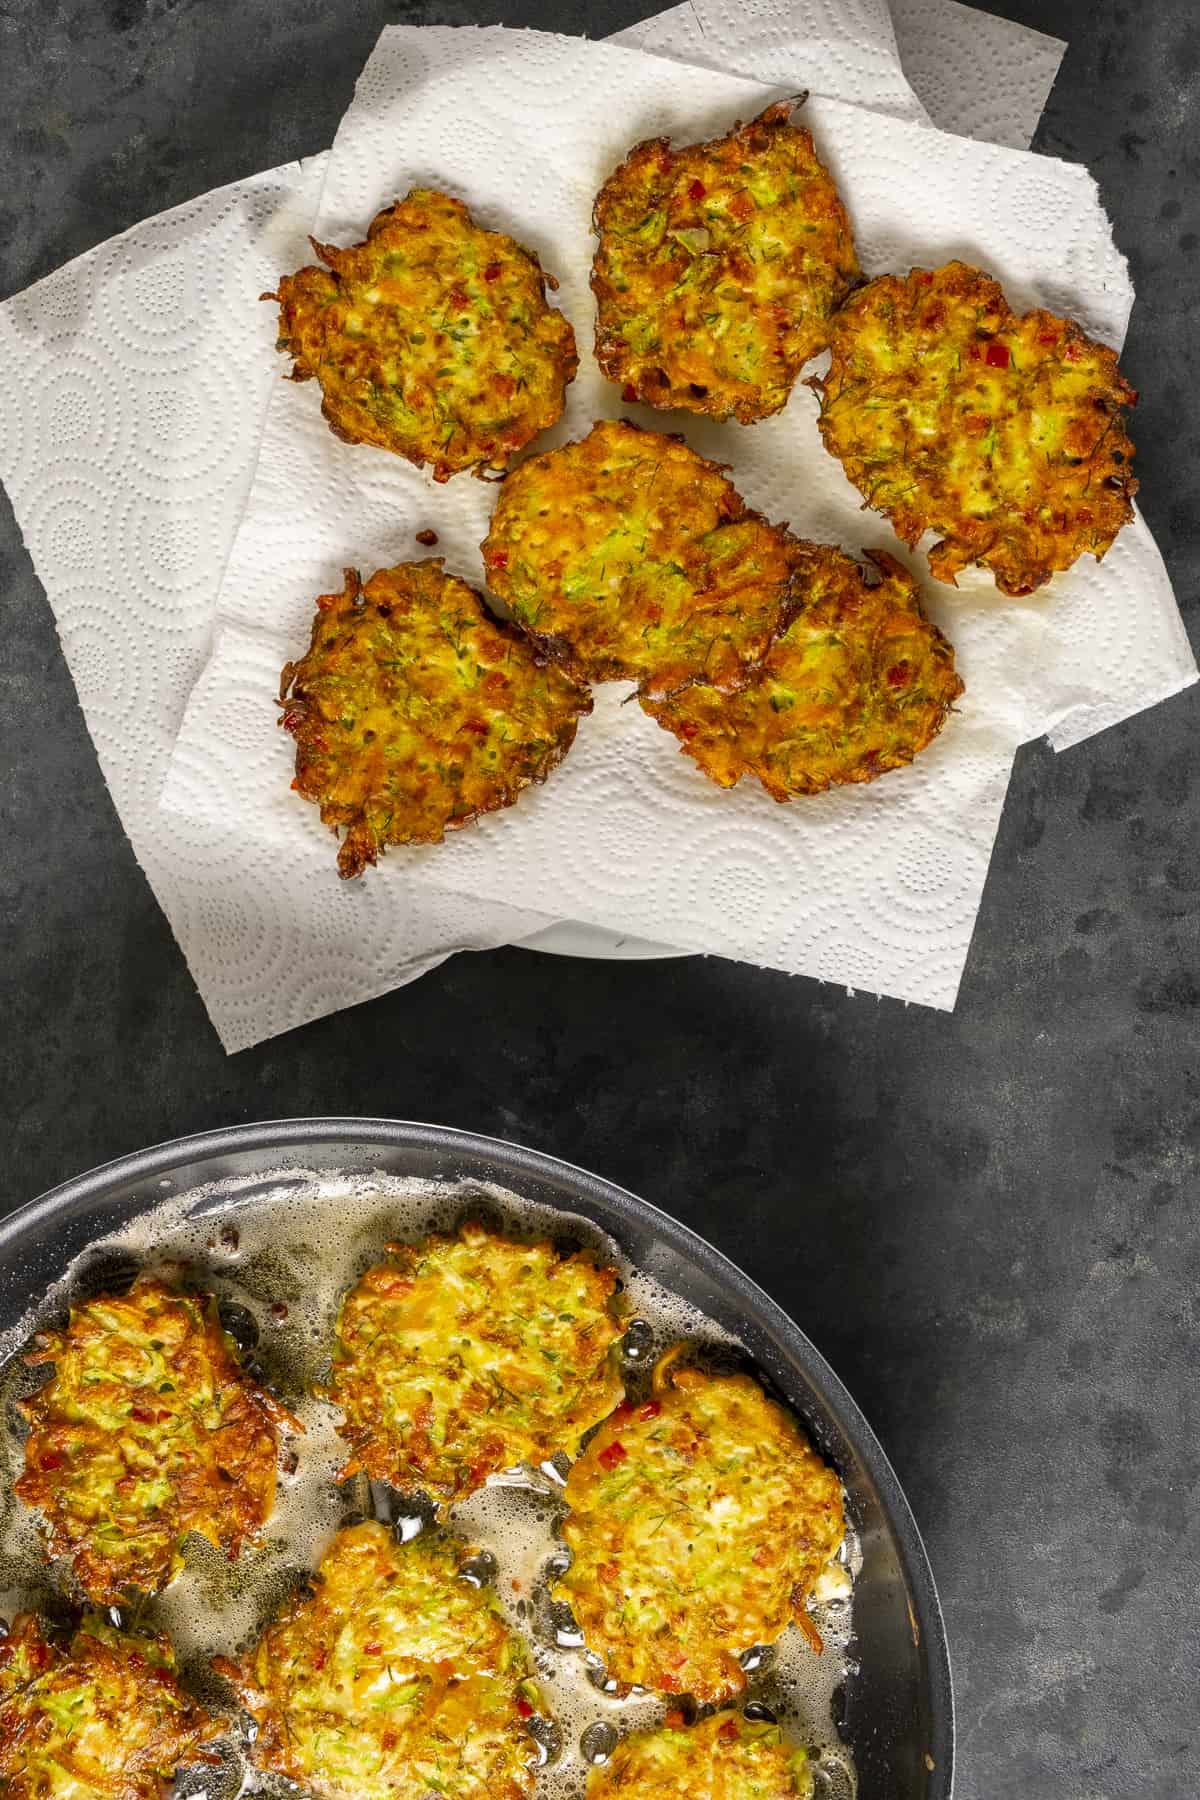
(127, 445)
(877, 887)
(966, 71)
(842, 49)
(86, 524)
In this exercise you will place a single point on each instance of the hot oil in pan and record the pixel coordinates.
(279, 1262)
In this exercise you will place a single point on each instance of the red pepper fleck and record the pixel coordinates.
(697, 191)
(498, 559)
(523, 1707)
(458, 298)
(141, 1414)
(1047, 337)
(291, 720)
(53, 1459)
(668, 1685)
(615, 1453)
(1072, 352)
(492, 272)
(897, 675)
(651, 1409)
(629, 392)
(374, 1648)
(997, 356)
(729, 1733)
(320, 1658)
(296, 783)
(624, 1410)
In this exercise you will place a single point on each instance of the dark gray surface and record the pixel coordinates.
(984, 1221)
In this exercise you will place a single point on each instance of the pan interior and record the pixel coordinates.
(292, 1232)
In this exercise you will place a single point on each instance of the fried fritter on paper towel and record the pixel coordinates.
(629, 557)
(414, 710)
(433, 338)
(859, 683)
(1003, 434)
(718, 268)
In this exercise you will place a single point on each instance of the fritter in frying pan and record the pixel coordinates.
(1004, 434)
(414, 711)
(718, 268)
(724, 1757)
(629, 557)
(463, 1355)
(433, 338)
(104, 1720)
(698, 1524)
(859, 683)
(147, 1430)
(396, 1676)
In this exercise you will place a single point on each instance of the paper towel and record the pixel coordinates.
(257, 974)
(842, 49)
(977, 75)
(111, 422)
(876, 887)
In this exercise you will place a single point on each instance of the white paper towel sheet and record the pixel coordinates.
(75, 347)
(875, 887)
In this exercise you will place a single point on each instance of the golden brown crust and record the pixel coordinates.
(414, 711)
(395, 1677)
(432, 339)
(718, 268)
(724, 1757)
(859, 683)
(1004, 434)
(533, 1364)
(698, 1525)
(628, 557)
(104, 1720)
(147, 1430)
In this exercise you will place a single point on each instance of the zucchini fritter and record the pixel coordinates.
(414, 711)
(433, 338)
(629, 557)
(859, 683)
(724, 1757)
(698, 1524)
(104, 1720)
(395, 1677)
(147, 1430)
(1003, 434)
(465, 1355)
(718, 268)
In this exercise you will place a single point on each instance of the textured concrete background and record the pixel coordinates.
(985, 1221)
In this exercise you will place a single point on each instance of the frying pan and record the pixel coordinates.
(897, 1708)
